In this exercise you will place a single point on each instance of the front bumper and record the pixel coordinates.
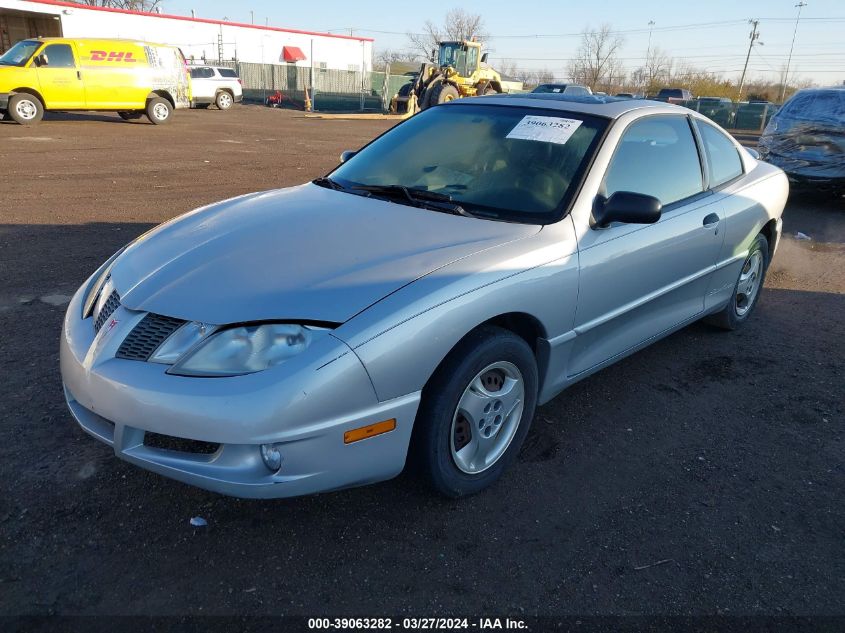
(303, 408)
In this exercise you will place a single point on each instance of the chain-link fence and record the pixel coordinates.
(749, 117)
(330, 90)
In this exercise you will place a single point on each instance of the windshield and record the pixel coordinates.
(20, 53)
(505, 162)
(453, 54)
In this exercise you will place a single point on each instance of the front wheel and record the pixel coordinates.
(25, 109)
(476, 412)
(747, 289)
(159, 110)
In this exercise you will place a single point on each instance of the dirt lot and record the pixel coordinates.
(717, 455)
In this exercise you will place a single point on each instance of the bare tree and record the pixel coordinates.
(597, 57)
(134, 5)
(457, 25)
(656, 70)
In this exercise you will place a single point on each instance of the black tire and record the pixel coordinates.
(441, 93)
(25, 109)
(159, 110)
(130, 116)
(732, 316)
(431, 447)
(425, 99)
(224, 100)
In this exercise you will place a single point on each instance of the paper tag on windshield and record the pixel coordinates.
(547, 129)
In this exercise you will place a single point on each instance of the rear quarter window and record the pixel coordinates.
(227, 72)
(722, 155)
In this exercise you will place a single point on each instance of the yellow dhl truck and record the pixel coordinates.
(129, 77)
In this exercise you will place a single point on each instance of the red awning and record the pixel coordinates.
(292, 54)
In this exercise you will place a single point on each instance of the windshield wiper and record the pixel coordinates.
(418, 197)
(328, 183)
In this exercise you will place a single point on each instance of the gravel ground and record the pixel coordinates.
(703, 475)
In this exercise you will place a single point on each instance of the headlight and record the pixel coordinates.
(246, 349)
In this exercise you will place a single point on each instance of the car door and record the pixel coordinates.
(59, 77)
(639, 281)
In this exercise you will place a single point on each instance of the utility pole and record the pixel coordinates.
(752, 37)
(799, 6)
(651, 24)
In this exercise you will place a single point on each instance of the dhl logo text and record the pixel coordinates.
(112, 56)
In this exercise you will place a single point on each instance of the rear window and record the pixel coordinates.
(227, 72)
(816, 105)
(548, 88)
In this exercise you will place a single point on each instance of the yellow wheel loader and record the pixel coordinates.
(461, 71)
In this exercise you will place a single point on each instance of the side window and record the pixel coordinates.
(195, 73)
(58, 56)
(202, 73)
(656, 156)
(722, 155)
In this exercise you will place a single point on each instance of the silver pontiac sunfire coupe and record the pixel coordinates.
(422, 299)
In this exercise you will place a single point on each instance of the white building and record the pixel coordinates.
(199, 38)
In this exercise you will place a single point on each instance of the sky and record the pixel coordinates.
(710, 34)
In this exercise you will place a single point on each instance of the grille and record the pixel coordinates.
(178, 444)
(146, 337)
(111, 304)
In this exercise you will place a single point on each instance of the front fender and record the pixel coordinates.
(402, 339)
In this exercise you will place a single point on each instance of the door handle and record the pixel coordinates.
(710, 220)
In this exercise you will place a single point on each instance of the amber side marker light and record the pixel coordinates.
(371, 430)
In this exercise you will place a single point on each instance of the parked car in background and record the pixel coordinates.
(129, 77)
(218, 85)
(673, 95)
(571, 90)
(806, 138)
(417, 303)
(718, 109)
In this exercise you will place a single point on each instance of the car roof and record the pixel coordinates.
(608, 107)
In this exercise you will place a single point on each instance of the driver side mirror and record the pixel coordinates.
(345, 156)
(627, 207)
(484, 58)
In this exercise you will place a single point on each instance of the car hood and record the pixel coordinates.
(305, 253)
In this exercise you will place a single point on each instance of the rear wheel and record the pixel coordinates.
(223, 101)
(476, 412)
(747, 289)
(159, 110)
(25, 109)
